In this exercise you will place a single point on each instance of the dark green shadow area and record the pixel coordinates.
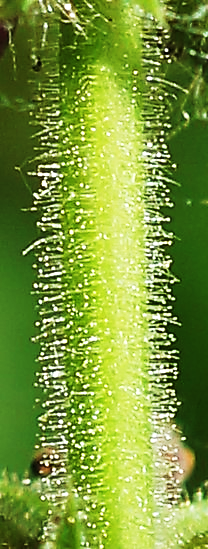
(17, 230)
(190, 254)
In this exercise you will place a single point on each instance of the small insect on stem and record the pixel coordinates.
(45, 462)
(37, 64)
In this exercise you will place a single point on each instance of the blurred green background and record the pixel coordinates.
(189, 150)
(17, 230)
(190, 255)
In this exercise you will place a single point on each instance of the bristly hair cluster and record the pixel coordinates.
(61, 311)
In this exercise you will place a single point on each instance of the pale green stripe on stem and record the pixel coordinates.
(105, 269)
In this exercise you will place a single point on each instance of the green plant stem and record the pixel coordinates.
(104, 208)
(100, 201)
(100, 399)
